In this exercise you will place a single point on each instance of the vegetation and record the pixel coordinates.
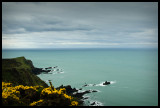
(35, 96)
(20, 87)
(18, 71)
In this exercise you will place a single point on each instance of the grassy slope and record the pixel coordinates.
(19, 71)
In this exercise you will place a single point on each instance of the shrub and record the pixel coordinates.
(35, 96)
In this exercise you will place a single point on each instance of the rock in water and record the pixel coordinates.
(48, 68)
(106, 83)
(93, 103)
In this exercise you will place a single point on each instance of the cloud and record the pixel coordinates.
(57, 24)
(39, 24)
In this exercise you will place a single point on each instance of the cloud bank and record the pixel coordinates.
(80, 25)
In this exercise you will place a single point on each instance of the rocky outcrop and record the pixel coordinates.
(69, 89)
(106, 83)
(45, 70)
(101, 84)
(78, 93)
(37, 71)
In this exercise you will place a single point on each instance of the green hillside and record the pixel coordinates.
(19, 72)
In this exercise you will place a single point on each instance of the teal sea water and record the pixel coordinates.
(133, 72)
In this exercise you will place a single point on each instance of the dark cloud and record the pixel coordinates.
(39, 23)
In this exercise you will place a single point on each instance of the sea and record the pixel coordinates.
(133, 72)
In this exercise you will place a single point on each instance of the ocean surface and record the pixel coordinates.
(133, 72)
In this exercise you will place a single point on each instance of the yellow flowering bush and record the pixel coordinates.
(58, 97)
(55, 93)
(6, 84)
(9, 94)
(19, 94)
(35, 96)
(74, 103)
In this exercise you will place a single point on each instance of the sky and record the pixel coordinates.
(79, 25)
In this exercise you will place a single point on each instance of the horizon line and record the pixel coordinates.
(83, 48)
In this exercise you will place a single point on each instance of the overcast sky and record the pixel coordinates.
(80, 25)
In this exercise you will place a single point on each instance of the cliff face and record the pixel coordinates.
(19, 72)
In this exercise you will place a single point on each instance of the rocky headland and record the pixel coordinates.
(20, 71)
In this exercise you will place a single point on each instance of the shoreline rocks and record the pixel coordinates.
(78, 93)
(37, 71)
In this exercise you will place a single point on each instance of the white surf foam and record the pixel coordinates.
(97, 103)
(101, 84)
(113, 82)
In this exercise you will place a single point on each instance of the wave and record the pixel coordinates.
(113, 82)
(91, 102)
(101, 84)
(96, 103)
(85, 97)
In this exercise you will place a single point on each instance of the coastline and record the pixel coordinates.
(21, 65)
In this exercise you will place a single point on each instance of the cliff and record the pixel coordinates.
(19, 71)
(21, 86)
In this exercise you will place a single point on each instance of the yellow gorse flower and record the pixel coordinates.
(8, 91)
(60, 92)
(15, 94)
(74, 103)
